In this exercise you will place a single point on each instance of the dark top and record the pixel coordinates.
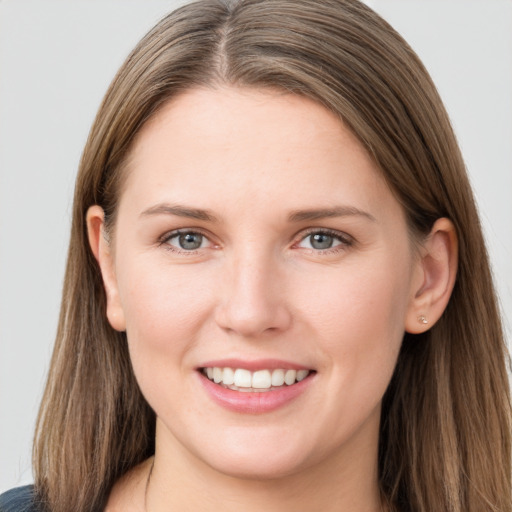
(20, 499)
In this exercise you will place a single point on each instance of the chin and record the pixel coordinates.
(259, 458)
(249, 469)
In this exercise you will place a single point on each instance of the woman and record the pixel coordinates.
(277, 291)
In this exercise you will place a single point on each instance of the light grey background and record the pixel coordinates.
(56, 61)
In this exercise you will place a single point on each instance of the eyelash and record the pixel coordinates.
(346, 241)
(164, 240)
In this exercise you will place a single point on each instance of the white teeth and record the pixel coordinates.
(228, 376)
(277, 377)
(302, 374)
(290, 376)
(261, 379)
(241, 379)
(217, 375)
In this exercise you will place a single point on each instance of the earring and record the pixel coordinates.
(422, 319)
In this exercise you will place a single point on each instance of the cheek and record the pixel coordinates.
(359, 326)
(355, 300)
(358, 316)
(160, 301)
(165, 314)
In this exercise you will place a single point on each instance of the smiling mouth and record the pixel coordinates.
(240, 379)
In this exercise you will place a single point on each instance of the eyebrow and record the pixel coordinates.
(323, 213)
(295, 216)
(180, 211)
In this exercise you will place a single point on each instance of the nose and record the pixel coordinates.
(253, 299)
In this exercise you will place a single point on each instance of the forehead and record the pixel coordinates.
(244, 145)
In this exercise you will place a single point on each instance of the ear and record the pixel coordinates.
(436, 272)
(102, 251)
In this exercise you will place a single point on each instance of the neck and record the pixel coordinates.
(342, 482)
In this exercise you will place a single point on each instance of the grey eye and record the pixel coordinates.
(321, 241)
(187, 241)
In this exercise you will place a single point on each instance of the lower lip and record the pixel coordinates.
(254, 403)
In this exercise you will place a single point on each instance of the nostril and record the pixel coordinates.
(253, 320)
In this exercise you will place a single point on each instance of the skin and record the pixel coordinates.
(258, 288)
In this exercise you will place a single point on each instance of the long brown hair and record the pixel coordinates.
(445, 429)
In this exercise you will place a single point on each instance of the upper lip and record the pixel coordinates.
(254, 365)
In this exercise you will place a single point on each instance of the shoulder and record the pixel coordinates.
(20, 499)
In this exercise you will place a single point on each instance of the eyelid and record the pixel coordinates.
(345, 238)
(168, 235)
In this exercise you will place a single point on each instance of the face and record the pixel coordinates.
(257, 242)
